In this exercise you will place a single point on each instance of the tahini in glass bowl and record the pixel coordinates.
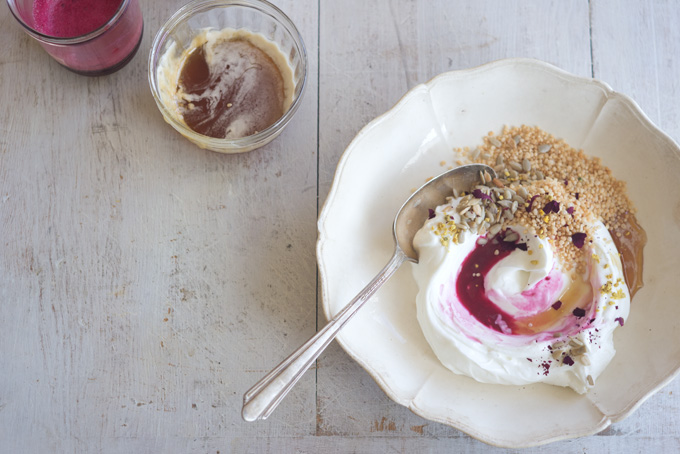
(255, 16)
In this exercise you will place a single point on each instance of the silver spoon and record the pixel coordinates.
(261, 400)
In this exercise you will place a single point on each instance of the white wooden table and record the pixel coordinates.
(146, 284)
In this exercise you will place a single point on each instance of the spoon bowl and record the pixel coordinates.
(261, 400)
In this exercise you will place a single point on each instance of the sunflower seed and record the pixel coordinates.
(514, 206)
(498, 183)
(523, 192)
(495, 142)
(511, 237)
(557, 345)
(461, 237)
(526, 165)
(494, 229)
(464, 210)
(505, 203)
(578, 351)
(455, 193)
(586, 362)
(575, 342)
(516, 166)
(475, 154)
(487, 177)
(544, 148)
(539, 175)
(481, 241)
(499, 160)
(517, 139)
(513, 173)
(507, 194)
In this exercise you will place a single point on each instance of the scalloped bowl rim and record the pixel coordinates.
(386, 387)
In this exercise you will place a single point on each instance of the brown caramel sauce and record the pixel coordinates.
(230, 90)
(630, 240)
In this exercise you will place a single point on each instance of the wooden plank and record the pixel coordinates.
(147, 284)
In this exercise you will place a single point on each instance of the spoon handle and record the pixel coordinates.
(261, 400)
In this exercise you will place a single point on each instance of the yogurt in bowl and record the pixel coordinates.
(520, 280)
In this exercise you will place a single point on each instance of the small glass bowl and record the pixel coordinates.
(256, 16)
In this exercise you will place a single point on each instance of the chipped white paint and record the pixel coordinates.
(147, 284)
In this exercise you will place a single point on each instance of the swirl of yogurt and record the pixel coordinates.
(505, 310)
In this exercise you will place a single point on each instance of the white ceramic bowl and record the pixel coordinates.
(400, 149)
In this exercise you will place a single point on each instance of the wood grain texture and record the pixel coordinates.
(147, 284)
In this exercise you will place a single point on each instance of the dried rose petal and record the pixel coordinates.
(576, 195)
(557, 305)
(620, 320)
(521, 246)
(570, 210)
(568, 361)
(578, 239)
(578, 312)
(566, 182)
(530, 360)
(430, 213)
(552, 207)
(531, 202)
(480, 195)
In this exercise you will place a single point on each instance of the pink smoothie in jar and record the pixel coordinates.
(90, 37)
